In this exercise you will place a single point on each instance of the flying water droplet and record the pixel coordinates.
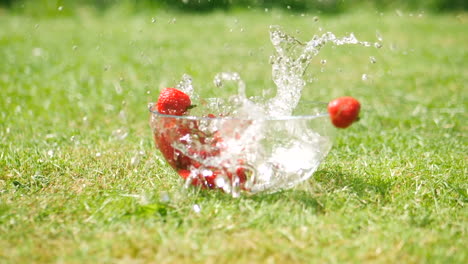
(378, 45)
(50, 153)
(98, 154)
(134, 161)
(372, 59)
(323, 62)
(315, 19)
(37, 52)
(118, 88)
(196, 208)
(120, 134)
(60, 8)
(364, 77)
(230, 76)
(153, 20)
(164, 197)
(379, 36)
(186, 86)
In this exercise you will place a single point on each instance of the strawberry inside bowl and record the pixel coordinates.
(214, 150)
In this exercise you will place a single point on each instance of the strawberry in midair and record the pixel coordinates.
(344, 111)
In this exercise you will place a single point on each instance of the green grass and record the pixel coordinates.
(73, 189)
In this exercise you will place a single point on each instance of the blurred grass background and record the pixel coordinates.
(49, 7)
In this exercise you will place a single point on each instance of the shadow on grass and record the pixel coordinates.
(327, 186)
(363, 185)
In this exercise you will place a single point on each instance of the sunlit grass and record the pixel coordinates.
(81, 181)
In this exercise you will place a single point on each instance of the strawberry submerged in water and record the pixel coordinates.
(207, 178)
(171, 131)
(344, 111)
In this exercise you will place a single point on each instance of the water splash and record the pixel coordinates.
(186, 86)
(291, 61)
(255, 150)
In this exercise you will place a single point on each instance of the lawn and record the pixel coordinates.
(81, 181)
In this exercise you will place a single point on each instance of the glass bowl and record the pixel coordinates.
(245, 156)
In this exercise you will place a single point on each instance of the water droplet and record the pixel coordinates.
(242, 30)
(37, 52)
(75, 47)
(378, 45)
(134, 161)
(98, 154)
(173, 20)
(60, 8)
(153, 20)
(148, 92)
(271, 59)
(302, 15)
(164, 197)
(118, 88)
(399, 13)
(266, 9)
(315, 18)
(379, 36)
(196, 208)
(288, 7)
(364, 77)
(8, 130)
(50, 153)
(372, 59)
(120, 133)
(123, 115)
(323, 62)
(49, 136)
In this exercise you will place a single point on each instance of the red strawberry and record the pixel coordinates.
(173, 102)
(344, 111)
(171, 130)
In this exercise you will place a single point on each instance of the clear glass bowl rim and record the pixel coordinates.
(281, 118)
